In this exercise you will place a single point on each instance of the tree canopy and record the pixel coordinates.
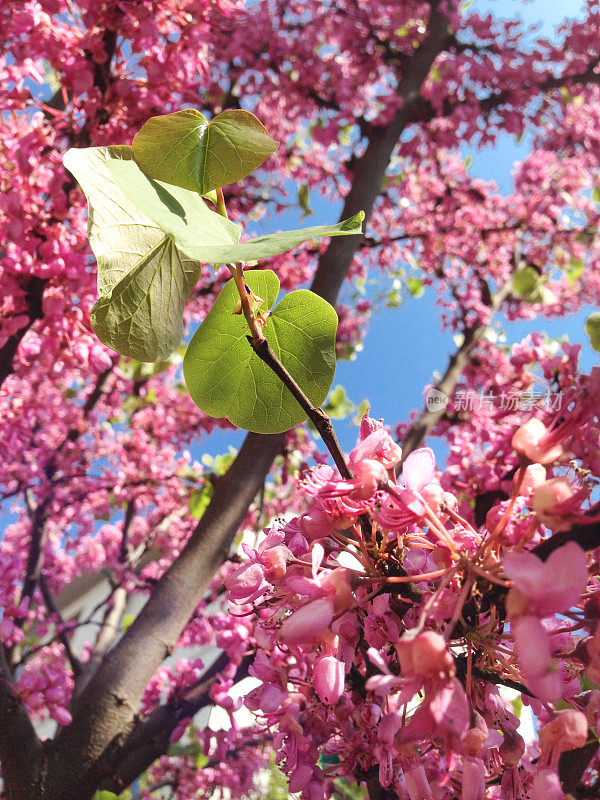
(391, 605)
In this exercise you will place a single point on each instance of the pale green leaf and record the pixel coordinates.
(199, 500)
(526, 283)
(272, 244)
(575, 270)
(338, 405)
(592, 328)
(204, 235)
(119, 233)
(143, 279)
(186, 150)
(304, 200)
(178, 212)
(227, 379)
(415, 287)
(127, 622)
(142, 317)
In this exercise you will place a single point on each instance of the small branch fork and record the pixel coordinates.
(316, 415)
(265, 352)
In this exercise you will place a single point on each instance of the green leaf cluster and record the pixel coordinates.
(151, 230)
(528, 284)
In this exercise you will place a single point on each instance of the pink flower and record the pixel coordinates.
(417, 785)
(541, 673)
(544, 588)
(567, 731)
(546, 786)
(328, 679)
(419, 469)
(61, 715)
(315, 524)
(473, 779)
(534, 476)
(426, 656)
(377, 445)
(305, 625)
(557, 505)
(535, 442)
(246, 583)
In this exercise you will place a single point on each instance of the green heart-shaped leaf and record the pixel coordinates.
(198, 234)
(143, 279)
(142, 317)
(226, 378)
(187, 150)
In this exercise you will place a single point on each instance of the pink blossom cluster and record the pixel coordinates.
(389, 626)
(100, 456)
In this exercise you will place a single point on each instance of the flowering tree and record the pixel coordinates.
(390, 605)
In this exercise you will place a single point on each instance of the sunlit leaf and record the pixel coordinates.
(227, 379)
(592, 328)
(187, 150)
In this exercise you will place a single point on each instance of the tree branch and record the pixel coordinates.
(149, 738)
(369, 170)
(586, 536)
(458, 361)
(61, 633)
(316, 415)
(107, 708)
(33, 296)
(20, 748)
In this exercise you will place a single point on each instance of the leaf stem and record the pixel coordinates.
(265, 352)
(317, 416)
(222, 210)
(237, 272)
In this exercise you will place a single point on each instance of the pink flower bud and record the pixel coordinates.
(315, 524)
(305, 625)
(338, 581)
(532, 440)
(476, 735)
(433, 494)
(328, 679)
(61, 715)
(368, 425)
(368, 474)
(512, 748)
(549, 501)
(425, 656)
(431, 655)
(534, 476)
(275, 559)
